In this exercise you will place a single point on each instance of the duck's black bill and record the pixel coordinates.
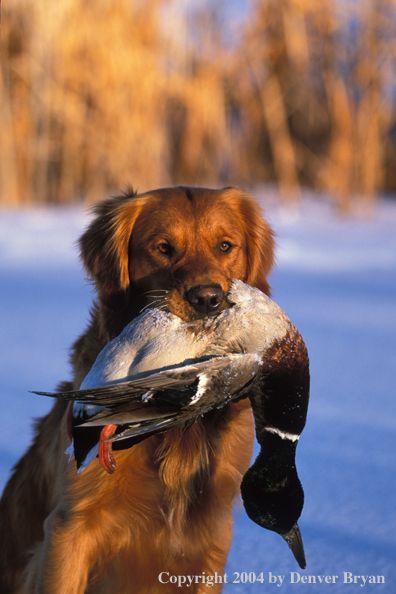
(296, 545)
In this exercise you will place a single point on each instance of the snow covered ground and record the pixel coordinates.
(337, 281)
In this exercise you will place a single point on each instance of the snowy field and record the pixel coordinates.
(337, 281)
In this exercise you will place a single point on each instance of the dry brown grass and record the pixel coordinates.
(95, 96)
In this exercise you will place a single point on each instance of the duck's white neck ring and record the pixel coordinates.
(283, 434)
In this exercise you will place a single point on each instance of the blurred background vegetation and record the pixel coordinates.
(99, 95)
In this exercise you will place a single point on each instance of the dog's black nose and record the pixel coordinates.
(205, 298)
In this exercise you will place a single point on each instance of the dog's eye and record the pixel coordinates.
(225, 246)
(164, 248)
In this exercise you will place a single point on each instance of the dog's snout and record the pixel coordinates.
(205, 298)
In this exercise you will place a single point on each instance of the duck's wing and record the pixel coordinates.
(176, 377)
(131, 405)
(214, 387)
(192, 391)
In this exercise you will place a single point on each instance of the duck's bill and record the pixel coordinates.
(295, 543)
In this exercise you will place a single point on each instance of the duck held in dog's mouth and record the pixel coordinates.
(162, 372)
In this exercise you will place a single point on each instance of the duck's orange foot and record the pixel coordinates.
(106, 458)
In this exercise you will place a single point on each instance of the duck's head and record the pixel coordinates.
(272, 493)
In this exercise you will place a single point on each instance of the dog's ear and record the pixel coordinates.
(104, 247)
(260, 247)
(259, 241)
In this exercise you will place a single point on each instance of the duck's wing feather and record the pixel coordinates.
(138, 412)
(219, 386)
(175, 377)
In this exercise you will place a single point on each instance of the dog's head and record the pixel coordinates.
(176, 247)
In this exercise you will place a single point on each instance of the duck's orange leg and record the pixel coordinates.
(106, 458)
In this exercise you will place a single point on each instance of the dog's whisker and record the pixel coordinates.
(159, 300)
(157, 291)
(146, 307)
(163, 307)
(157, 303)
(156, 297)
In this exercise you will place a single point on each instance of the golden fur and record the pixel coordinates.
(168, 506)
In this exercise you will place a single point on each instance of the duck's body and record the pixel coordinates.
(161, 372)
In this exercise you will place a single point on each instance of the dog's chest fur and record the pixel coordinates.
(189, 488)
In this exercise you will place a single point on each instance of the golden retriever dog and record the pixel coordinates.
(168, 506)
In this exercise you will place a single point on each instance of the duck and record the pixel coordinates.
(161, 372)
